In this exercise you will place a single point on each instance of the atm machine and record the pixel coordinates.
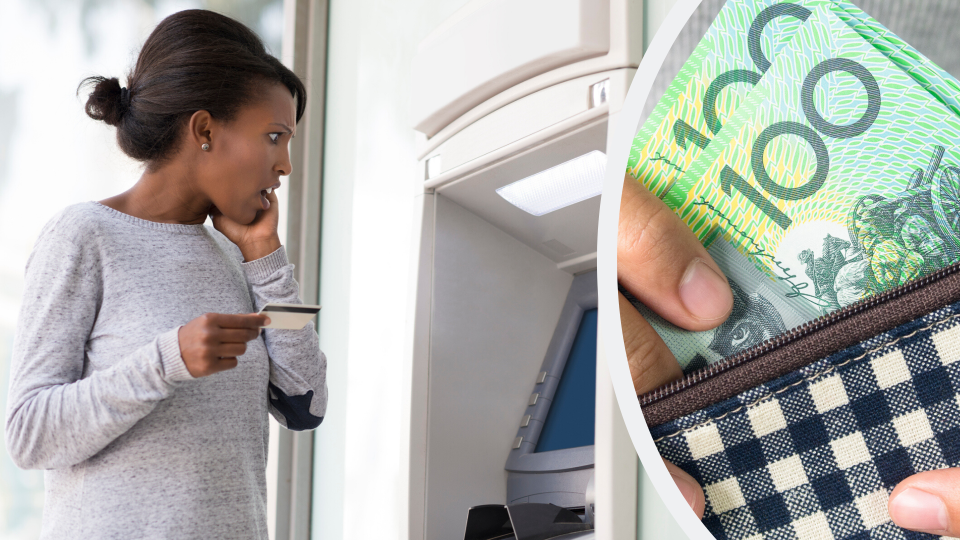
(512, 102)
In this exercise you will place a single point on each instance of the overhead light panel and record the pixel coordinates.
(558, 187)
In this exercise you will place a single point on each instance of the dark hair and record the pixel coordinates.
(193, 60)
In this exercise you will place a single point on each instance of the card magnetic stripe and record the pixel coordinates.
(291, 309)
(816, 453)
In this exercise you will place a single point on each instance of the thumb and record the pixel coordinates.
(689, 488)
(214, 213)
(217, 217)
(663, 265)
(928, 502)
(661, 262)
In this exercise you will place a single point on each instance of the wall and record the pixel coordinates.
(369, 184)
(496, 303)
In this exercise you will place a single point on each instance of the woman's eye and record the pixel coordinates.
(274, 137)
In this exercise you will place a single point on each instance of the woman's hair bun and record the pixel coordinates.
(193, 60)
(107, 101)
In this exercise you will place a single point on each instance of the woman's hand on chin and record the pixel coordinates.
(257, 239)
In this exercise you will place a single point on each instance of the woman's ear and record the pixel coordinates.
(200, 129)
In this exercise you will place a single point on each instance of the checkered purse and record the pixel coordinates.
(806, 436)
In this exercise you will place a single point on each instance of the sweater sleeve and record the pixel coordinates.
(298, 369)
(58, 416)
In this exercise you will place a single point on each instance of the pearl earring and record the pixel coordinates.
(205, 147)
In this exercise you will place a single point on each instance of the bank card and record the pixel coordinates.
(289, 316)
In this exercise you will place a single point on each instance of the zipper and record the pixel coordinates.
(820, 323)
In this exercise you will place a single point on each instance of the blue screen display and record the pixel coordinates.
(570, 421)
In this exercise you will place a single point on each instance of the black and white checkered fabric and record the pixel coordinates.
(816, 453)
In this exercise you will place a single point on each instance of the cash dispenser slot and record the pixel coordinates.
(528, 521)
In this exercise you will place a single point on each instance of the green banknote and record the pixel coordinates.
(944, 87)
(763, 308)
(726, 65)
(838, 176)
(730, 59)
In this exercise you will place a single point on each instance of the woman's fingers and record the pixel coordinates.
(689, 488)
(651, 362)
(664, 265)
(238, 335)
(211, 342)
(653, 365)
(928, 502)
(224, 364)
(231, 350)
(246, 320)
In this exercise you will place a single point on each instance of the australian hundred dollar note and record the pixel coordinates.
(729, 61)
(712, 83)
(943, 86)
(764, 308)
(838, 177)
(723, 68)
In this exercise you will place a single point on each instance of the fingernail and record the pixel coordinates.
(687, 489)
(266, 321)
(919, 510)
(704, 293)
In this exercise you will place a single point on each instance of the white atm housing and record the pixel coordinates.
(502, 90)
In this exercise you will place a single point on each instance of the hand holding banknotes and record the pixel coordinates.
(663, 265)
(824, 158)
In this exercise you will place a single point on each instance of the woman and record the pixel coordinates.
(140, 379)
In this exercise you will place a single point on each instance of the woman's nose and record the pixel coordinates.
(284, 167)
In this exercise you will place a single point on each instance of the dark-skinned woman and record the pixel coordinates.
(141, 379)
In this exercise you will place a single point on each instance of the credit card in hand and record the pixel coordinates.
(289, 316)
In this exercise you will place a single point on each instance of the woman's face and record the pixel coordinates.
(249, 155)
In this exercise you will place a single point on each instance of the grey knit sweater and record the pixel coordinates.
(133, 446)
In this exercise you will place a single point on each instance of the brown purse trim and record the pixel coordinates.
(820, 343)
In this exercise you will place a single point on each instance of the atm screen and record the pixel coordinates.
(570, 421)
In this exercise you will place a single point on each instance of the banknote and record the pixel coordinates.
(944, 87)
(762, 309)
(726, 65)
(723, 68)
(838, 176)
